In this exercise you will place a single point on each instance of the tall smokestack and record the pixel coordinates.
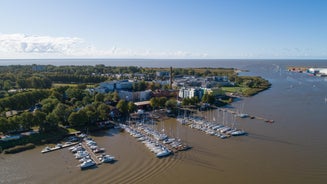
(171, 78)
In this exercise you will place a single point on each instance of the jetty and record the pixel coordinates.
(248, 116)
(157, 142)
(91, 153)
(58, 147)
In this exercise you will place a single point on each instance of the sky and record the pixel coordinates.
(212, 29)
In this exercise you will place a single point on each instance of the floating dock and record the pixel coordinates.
(92, 154)
(58, 147)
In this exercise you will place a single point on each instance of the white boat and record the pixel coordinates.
(163, 153)
(238, 133)
(87, 164)
(99, 150)
(84, 159)
(107, 159)
(46, 149)
(168, 141)
(81, 154)
(222, 136)
(242, 115)
(58, 146)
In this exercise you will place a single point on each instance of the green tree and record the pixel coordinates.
(7, 85)
(73, 92)
(49, 104)
(99, 97)
(78, 118)
(208, 98)
(154, 102)
(186, 101)
(51, 122)
(103, 111)
(122, 107)
(4, 125)
(39, 118)
(87, 100)
(115, 96)
(194, 100)
(162, 101)
(15, 123)
(91, 113)
(131, 107)
(27, 120)
(171, 104)
(62, 111)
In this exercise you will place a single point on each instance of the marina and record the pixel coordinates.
(222, 131)
(157, 142)
(89, 154)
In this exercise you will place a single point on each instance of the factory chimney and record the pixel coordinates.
(171, 78)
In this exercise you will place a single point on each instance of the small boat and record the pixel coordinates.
(81, 154)
(222, 136)
(163, 153)
(46, 149)
(58, 146)
(107, 159)
(238, 133)
(87, 164)
(269, 121)
(168, 141)
(242, 115)
(99, 150)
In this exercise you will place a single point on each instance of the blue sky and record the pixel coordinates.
(163, 29)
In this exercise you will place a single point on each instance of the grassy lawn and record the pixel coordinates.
(233, 89)
(245, 91)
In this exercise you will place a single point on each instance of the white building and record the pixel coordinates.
(184, 93)
(111, 86)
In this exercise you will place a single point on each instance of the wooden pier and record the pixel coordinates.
(59, 147)
(250, 116)
(91, 153)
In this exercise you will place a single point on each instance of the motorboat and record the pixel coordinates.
(168, 141)
(107, 159)
(238, 133)
(87, 164)
(46, 149)
(99, 150)
(163, 153)
(81, 154)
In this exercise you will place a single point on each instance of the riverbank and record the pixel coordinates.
(35, 139)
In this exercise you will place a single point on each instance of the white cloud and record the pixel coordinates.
(21, 43)
(34, 46)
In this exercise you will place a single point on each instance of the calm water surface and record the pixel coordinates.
(292, 150)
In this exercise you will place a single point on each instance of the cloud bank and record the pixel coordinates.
(34, 46)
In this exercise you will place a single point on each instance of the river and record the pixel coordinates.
(291, 150)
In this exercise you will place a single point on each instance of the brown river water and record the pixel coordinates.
(291, 150)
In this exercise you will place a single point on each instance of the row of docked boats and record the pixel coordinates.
(58, 146)
(157, 142)
(150, 138)
(89, 154)
(211, 128)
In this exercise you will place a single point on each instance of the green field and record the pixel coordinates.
(244, 91)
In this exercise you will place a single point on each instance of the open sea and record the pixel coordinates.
(291, 150)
